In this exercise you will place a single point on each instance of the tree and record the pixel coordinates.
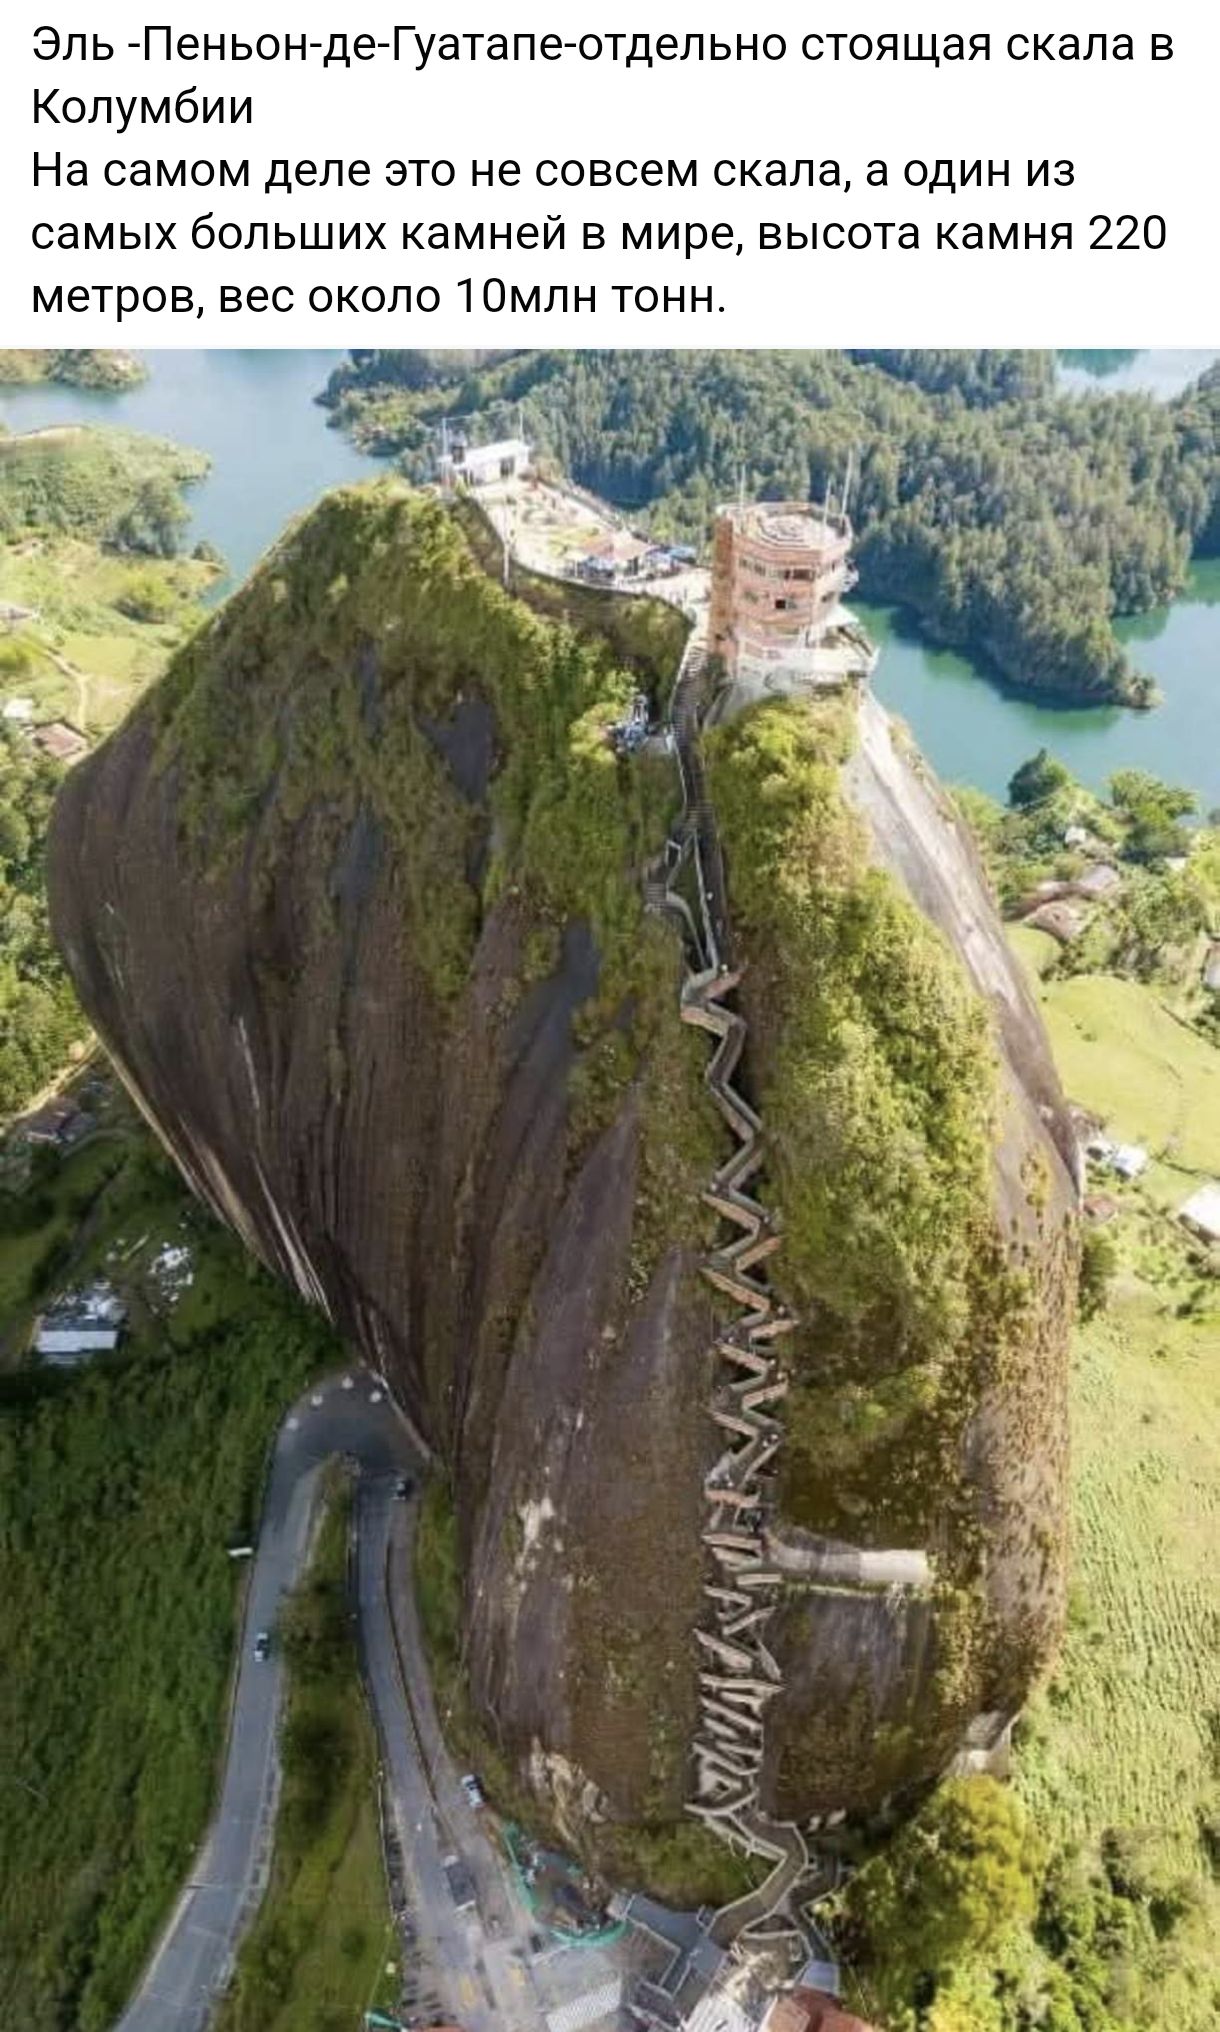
(144, 596)
(1098, 1265)
(1037, 780)
(155, 520)
(313, 1628)
(962, 1872)
(1153, 811)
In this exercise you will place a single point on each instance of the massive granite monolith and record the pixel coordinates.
(355, 901)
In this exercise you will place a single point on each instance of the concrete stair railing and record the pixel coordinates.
(739, 1676)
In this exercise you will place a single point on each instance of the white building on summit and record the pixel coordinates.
(478, 465)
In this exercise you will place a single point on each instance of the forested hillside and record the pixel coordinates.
(113, 486)
(75, 366)
(1014, 521)
(93, 596)
(38, 1012)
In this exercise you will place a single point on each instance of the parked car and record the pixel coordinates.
(460, 1882)
(473, 1790)
(404, 1488)
(262, 1645)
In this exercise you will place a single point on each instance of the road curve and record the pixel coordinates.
(194, 1957)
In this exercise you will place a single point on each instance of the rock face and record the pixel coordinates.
(354, 900)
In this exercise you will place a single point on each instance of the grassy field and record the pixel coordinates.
(1124, 1057)
(316, 1957)
(1120, 1751)
(121, 1487)
(1125, 1733)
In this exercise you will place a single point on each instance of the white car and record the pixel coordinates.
(473, 1790)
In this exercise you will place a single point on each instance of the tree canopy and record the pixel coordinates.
(1036, 780)
(39, 1017)
(960, 1873)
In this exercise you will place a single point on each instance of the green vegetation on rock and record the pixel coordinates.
(382, 579)
(381, 594)
(1115, 1756)
(681, 1862)
(876, 1071)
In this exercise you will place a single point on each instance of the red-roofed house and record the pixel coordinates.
(803, 2010)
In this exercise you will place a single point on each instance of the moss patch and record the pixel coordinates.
(369, 619)
(877, 1085)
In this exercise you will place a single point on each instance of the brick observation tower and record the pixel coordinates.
(780, 570)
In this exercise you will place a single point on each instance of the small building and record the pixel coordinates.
(809, 2010)
(1076, 836)
(478, 465)
(1129, 1160)
(80, 1324)
(1211, 968)
(17, 711)
(60, 741)
(1201, 1213)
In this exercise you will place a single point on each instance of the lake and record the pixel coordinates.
(1160, 373)
(253, 412)
(273, 455)
(974, 732)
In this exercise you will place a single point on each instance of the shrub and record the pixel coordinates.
(962, 1872)
(1098, 1268)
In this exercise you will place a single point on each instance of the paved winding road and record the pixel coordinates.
(484, 1983)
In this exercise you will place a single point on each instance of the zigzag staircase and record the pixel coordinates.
(738, 1674)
